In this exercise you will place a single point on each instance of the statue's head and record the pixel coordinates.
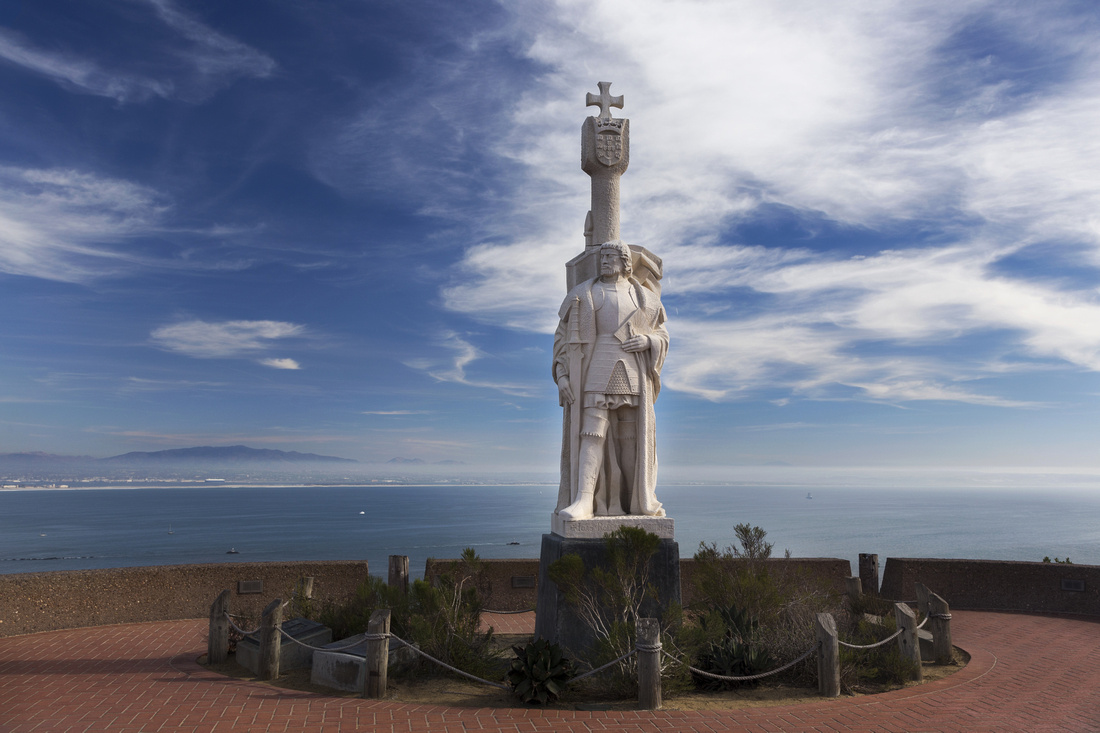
(619, 247)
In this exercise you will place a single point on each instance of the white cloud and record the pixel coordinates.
(56, 224)
(454, 369)
(394, 412)
(281, 363)
(226, 339)
(198, 63)
(867, 115)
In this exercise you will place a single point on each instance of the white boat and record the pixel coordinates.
(809, 495)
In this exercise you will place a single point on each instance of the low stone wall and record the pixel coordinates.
(506, 585)
(828, 572)
(68, 599)
(996, 585)
(510, 585)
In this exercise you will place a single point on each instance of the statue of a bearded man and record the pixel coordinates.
(609, 348)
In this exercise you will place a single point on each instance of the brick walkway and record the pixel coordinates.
(1027, 673)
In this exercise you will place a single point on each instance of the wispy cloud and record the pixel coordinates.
(394, 412)
(454, 369)
(192, 62)
(68, 225)
(225, 339)
(141, 384)
(281, 363)
(866, 117)
(78, 73)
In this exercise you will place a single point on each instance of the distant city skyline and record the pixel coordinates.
(341, 227)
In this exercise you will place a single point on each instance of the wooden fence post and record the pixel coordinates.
(908, 643)
(217, 643)
(922, 597)
(828, 655)
(270, 639)
(399, 572)
(304, 591)
(853, 588)
(649, 664)
(378, 656)
(941, 628)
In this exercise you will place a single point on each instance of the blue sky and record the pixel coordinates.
(340, 227)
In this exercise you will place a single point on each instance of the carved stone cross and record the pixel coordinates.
(604, 100)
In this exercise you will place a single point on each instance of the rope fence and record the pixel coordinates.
(888, 639)
(597, 670)
(749, 677)
(238, 629)
(649, 652)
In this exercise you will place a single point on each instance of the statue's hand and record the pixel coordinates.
(565, 390)
(636, 343)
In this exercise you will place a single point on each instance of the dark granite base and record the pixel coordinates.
(557, 622)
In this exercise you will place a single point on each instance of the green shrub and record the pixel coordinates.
(441, 618)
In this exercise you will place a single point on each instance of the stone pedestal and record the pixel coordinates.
(555, 620)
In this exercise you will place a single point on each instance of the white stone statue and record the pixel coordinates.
(609, 348)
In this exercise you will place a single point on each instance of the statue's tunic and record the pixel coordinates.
(606, 316)
(612, 379)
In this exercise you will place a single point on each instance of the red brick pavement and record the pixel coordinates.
(1027, 673)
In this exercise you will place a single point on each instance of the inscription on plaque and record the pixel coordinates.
(523, 581)
(249, 586)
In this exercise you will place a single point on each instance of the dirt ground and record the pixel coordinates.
(457, 692)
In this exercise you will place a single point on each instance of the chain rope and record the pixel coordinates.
(506, 613)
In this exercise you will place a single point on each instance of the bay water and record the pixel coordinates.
(68, 529)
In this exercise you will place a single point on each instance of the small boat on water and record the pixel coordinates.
(232, 551)
(809, 495)
(170, 529)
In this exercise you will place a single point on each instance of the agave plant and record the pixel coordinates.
(539, 672)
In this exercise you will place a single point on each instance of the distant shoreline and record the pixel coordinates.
(228, 485)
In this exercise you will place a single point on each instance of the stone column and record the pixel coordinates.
(605, 155)
(868, 573)
(399, 572)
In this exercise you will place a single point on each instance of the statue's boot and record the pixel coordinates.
(581, 508)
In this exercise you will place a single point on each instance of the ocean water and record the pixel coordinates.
(61, 529)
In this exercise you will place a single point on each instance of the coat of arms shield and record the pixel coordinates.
(609, 148)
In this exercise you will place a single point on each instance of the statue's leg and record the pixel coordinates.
(593, 435)
(626, 442)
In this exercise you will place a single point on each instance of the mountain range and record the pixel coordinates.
(208, 454)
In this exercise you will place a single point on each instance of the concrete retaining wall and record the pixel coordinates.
(506, 585)
(997, 585)
(65, 599)
(510, 585)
